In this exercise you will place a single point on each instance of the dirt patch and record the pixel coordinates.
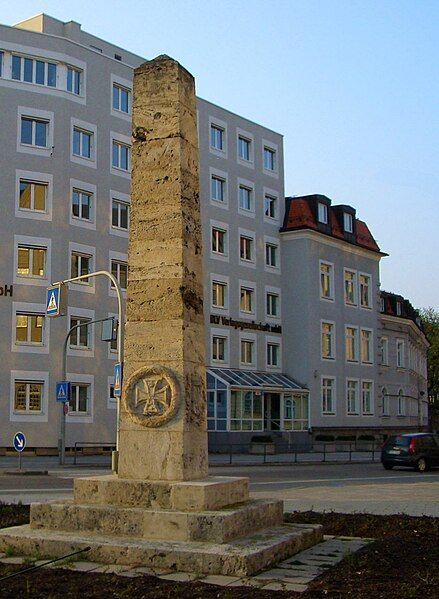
(402, 563)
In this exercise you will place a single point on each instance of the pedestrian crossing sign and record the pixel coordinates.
(55, 300)
(63, 391)
(117, 379)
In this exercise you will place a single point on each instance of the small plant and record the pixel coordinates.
(9, 551)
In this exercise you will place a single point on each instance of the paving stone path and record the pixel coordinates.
(293, 574)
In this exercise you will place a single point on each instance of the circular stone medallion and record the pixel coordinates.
(152, 396)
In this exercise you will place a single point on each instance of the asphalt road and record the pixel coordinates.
(336, 487)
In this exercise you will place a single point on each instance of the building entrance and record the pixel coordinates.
(272, 411)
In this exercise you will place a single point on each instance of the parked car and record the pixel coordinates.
(414, 450)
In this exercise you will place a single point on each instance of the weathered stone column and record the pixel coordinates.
(163, 432)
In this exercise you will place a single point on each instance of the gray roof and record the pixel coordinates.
(251, 378)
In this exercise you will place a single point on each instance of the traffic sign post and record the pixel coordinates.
(117, 379)
(19, 445)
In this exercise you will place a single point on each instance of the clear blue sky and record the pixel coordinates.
(353, 85)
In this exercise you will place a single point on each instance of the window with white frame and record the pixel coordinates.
(121, 98)
(351, 343)
(367, 398)
(365, 291)
(328, 340)
(74, 80)
(270, 206)
(244, 148)
(400, 353)
(29, 328)
(386, 403)
(31, 261)
(119, 270)
(273, 354)
(247, 351)
(119, 214)
(82, 143)
(219, 241)
(217, 137)
(246, 250)
(1, 63)
(216, 404)
(246, 302)
(246, 411)
(219, 294)
(271, 255)
(272, 304)
(352, 397)
(80, 264)
(219, 348)
(217, 188)
(328, 395)
(33, 70)
(348, 222)
(80, 336)
(350, 287)
(269, 159)
(28, 396)
(295, 412)
(384, 351)
(366, 346)
(81, 204)
(245, 198)
(34, 132)
(398, 309)
(326, 281)
(322, 213)
(120, 155)
(33, 195)
(80, 398)
(401, 403)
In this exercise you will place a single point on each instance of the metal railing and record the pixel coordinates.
(80, 445)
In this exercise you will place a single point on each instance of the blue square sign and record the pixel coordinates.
(53, 301)
(63, 391)
(117, 379)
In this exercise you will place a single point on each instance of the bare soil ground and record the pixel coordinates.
(402, 563)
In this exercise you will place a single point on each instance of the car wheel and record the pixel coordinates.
(387, 466)
(422, 465)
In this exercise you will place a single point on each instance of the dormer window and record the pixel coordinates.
(348, 222)
(323, 213)
(398, 308)
(383, 305)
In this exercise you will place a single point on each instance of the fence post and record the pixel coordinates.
(74, 454)
(265, 453)
(324, 451)
(230, 453)
(350, 451)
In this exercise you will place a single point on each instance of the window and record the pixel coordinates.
(386, 404)
(119, 270)
(79, 398)
(350, 287)
(348, 222)
(79, 337)
(326, 281)
(365, 290)
(246, 411)
(246, 248)
(271, 255)
(74, 77)
(401, 403)
(273, 354)
(382, 305)
(31, 261)
(34, 132)
(246, 300)
(328, 395)
(82, 143)
(217, 137)
(366, 346)
(272, 304)
(81, 204)
(121, 98)
(351, 340)
(247, 351)
(400, 353)
(327, 340)
(33, 196)
(384, 351)
(244, 148)
(219, 291)
(216, 404)
(322, 213)
(296, 412)
(119, 214)
(121, 156)
(367, 397)
(28, 396)
(398, 309)
(245, 198)
(270, 206)
(29, 328)
(33, 71)
(219, 348)
(218, 241)
(1, 64)
(80, 265)
(269, 159)
(352, 396)
(217, 188)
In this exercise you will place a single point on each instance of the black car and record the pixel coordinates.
(414, 450)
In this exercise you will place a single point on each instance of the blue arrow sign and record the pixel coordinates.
(117, 379)
(19, 441)
(62, 391)
(53, 301)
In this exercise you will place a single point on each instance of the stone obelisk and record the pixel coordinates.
(163, 433)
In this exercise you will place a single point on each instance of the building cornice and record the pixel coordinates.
(406, 321)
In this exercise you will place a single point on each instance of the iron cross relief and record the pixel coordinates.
(155, 394)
